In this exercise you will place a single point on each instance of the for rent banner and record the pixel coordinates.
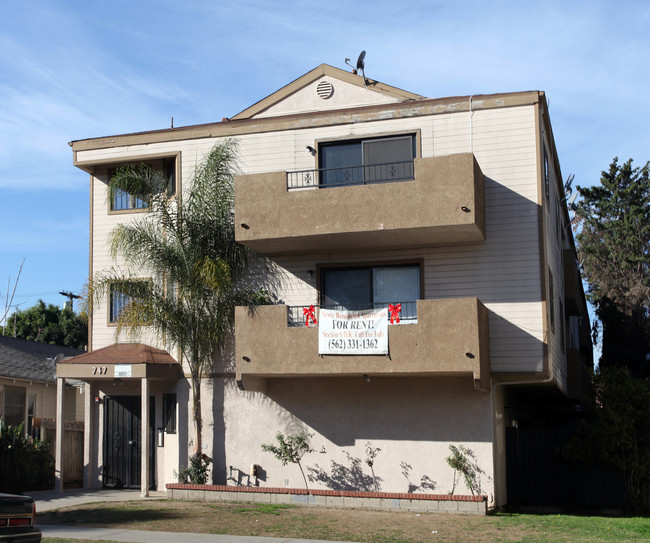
(353, 332)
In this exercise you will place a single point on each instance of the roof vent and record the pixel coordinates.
(325, 89)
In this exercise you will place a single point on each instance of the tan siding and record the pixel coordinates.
(503, 272)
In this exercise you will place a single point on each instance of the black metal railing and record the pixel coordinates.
(353, 175)
(298, 314)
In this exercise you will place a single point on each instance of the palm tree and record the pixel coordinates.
(188, 247)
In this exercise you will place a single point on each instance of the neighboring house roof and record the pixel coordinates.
(28, 360)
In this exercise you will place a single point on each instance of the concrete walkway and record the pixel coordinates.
(46, 500)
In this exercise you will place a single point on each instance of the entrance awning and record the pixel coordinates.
(121, 361)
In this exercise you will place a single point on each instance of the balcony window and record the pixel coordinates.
(372, 287)
(367, 161)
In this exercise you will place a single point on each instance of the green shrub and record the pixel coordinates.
(25, 464)
(198, 470)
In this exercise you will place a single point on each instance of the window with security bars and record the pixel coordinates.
(118, 301)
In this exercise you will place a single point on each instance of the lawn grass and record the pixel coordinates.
(364, 526)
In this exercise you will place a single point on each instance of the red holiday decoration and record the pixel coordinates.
(394, 312)
(309, 314)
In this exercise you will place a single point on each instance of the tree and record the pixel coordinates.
(291, 449)
(613, 222)
(188, 247)
(463, 461)
(49, 324)
(616, 431)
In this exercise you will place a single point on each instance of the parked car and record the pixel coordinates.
(18, 519)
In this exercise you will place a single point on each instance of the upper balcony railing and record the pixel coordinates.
(402, 312)
(351, 175)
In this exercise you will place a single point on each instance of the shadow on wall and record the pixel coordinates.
(183, 402)
(426, 483)
(346, 411)
(218, 431)
(341, 477)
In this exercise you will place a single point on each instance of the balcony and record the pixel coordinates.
(433, 201)
(447, 337)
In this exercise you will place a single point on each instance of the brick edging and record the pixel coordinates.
(341, 493)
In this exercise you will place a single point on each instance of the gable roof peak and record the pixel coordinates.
(387, 92)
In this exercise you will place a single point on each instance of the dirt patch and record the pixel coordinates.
(360, 525)
(277, 520)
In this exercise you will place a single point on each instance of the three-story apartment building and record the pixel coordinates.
(447, 215)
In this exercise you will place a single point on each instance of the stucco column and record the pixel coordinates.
(89, 430)
(144, 440)
(58, 453)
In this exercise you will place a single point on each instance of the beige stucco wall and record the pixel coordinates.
(451, 337)
(413, 421)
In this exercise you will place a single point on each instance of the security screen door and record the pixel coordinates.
(122, 441)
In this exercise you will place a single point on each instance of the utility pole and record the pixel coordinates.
(71, 296)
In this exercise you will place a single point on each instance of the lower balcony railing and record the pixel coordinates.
(449, 338)
(401, 312)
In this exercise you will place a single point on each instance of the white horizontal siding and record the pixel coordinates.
(503, 272)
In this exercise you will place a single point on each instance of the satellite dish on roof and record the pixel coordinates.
(361, 67)
(360, 63)
(58, 358)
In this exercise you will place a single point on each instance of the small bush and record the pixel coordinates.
(198, 470)
(25, 464)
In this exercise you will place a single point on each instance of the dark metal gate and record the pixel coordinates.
(123, 441)
(539, 475)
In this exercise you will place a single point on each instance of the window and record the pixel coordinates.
(31, 413)
(122, 200)
(169, 413)
(118, 300)
(14, 410)
(367, 161)
(372, 287)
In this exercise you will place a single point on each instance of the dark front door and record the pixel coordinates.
(123, 441)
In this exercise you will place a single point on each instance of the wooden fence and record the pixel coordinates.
(73, 447)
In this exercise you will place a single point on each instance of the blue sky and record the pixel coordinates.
(72, 70)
